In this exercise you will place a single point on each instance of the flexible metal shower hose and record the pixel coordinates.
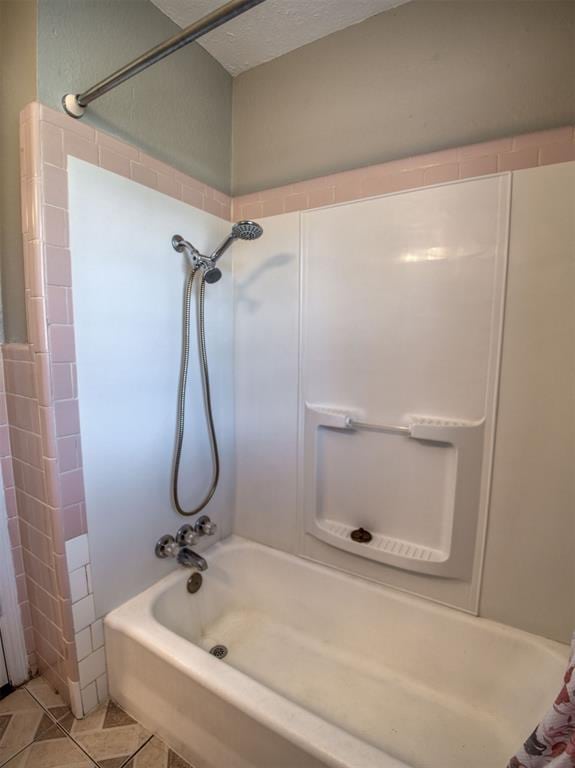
(181, 416)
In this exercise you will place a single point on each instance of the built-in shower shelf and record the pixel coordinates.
(449, 459)
(387, 544)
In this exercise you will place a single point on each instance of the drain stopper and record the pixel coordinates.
(219, 651)
(361, 535)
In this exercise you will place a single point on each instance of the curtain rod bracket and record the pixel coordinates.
(72, 106)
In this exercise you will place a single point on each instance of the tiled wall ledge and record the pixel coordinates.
(511, 154)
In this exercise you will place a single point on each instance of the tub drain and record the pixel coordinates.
(219, 651)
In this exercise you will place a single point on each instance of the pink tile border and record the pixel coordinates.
(42, 462)
(60, 136)
(510, 154)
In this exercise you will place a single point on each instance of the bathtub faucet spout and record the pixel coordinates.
(189, 559)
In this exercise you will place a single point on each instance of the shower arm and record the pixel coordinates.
(222, 248)
(75, 104)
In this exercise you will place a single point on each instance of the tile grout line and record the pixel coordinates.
(29, 744)
(41, 705)
(46, 711)
(60, 727)
(71, 737)
(140, 748)
(19, 752)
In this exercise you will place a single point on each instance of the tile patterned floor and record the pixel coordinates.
(37, 730)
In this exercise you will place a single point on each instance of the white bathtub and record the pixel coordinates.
(323, 669)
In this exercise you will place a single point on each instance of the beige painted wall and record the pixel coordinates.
(421, 77)
(529, 577)
(17, 88)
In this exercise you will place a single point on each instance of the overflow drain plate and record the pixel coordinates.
(219, 651)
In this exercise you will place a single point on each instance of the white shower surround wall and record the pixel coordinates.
(128, 371)
(323, 669)
(408, 335)
(336, 272)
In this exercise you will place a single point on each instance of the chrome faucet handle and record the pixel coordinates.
(166, 546)
(186, 536)
(205, 527)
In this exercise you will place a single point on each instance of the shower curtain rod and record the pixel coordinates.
(75, 104)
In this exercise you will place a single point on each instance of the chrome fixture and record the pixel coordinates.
(194, 582)
(219, 651)
(188, 534)
(183, 246)
(390, 429)
(243, 230)
(189, 559)
(205, 527)
(209, 273)
(179, 546)
(75, 104)
(195, 259)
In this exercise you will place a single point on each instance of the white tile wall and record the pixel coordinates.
(92, 667)
(83, 612)
(97, 634)
(89, 577)
(78, 584)
(83, 643)
(102, 688)
(75, 698)
(93, 686)
(77, 552)
(89, 697)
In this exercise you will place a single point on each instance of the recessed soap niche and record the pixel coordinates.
(414, 488)
(401, 332)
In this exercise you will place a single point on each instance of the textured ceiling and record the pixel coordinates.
(272, 28)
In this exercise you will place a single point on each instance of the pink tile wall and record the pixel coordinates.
(511, 154)
(37, 528)
(43, 474)
(40, 398)
(36, 525)
(17, 544)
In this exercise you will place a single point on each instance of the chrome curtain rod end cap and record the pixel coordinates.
(72, 106)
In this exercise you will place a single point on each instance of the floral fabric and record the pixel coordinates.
(552, 743)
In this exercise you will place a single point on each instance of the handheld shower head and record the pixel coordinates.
(243, 230)
(212, 274)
